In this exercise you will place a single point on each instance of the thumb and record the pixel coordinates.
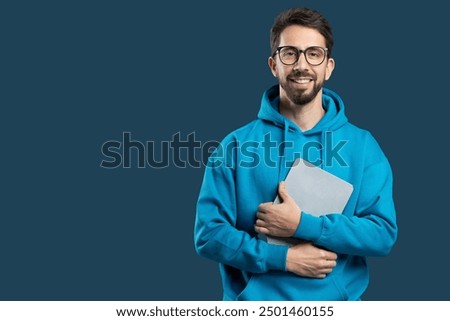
(283, 193)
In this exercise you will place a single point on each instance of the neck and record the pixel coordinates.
(305, 116)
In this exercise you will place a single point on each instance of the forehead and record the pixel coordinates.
(301, 37)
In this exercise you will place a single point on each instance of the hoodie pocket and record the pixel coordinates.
(285, 286)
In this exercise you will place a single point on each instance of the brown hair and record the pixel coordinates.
(303, 17)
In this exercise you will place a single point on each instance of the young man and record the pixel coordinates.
(243, 178)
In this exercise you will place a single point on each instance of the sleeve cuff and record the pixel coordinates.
(276, 257)
(309, 228)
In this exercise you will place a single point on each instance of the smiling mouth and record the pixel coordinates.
(301, 80)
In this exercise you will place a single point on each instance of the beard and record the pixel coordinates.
(300, 96)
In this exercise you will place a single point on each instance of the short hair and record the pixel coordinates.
(304, 17)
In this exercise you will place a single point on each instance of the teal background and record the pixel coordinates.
(77, 74)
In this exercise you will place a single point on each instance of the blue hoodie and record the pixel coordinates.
(241, 174)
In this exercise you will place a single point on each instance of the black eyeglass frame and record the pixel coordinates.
(299, 52)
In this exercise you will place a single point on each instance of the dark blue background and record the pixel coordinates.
(75, 75)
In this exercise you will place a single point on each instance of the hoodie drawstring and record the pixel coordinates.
(322, 147)
(282, 157)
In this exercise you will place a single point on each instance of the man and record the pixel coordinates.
(243, 178)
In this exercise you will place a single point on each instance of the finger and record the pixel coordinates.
(260, 223)
(327, 263)
(261, 230)
(333, 256)
(330, 264)
(261, 215)
(323, 273)
(263, 207)
(329, 255)
(326, 270)
(282, 192)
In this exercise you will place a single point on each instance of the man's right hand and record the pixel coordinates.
(307, 260)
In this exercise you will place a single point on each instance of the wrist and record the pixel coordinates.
(295, 231)
(288, 260)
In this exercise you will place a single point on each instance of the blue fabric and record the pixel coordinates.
(245, 170)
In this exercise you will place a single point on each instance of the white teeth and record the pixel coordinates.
(302, 81)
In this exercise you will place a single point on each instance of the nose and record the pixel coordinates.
(301, 63)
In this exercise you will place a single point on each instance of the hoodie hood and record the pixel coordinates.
(334, 117)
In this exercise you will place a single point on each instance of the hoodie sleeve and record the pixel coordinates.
(215, 234)
(372, 230)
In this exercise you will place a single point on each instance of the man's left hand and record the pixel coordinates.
(278, 219)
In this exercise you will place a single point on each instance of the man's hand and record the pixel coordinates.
(309, 261)
(278, 219)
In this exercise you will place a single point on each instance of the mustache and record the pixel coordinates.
(300, 74)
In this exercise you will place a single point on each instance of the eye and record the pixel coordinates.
(287, 52)
(315, 53)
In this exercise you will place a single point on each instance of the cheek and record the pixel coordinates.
(324, 75)
(321, 76)
(282, 73)
(276, 74)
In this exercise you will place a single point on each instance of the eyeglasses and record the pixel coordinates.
(289, 55)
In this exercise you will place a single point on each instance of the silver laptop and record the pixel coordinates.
(316, 191)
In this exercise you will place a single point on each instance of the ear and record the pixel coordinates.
(272, 65)
(329, 68)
